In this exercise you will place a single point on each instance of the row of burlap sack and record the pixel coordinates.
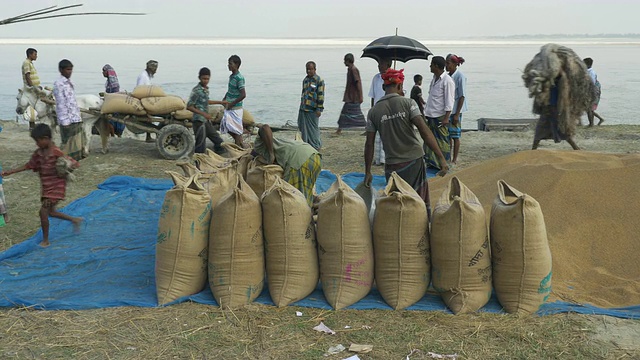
(347, 246)
(233, 245)
(399, 253)
(143, 100)
(515, 258)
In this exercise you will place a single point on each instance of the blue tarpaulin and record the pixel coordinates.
(111, 261)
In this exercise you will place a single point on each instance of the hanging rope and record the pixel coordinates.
(37, 15)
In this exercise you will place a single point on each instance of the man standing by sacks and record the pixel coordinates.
(199, 104)
(376, 92)
(438, 109)
(394, 116)
(311, 106)
(460, 103)
(231, 122)
(145, 79)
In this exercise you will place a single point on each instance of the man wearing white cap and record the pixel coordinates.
(145, 79)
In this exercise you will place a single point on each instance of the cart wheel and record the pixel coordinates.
(174, 142)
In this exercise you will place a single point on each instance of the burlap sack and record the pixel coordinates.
(217, 111)
(247, 118)
(123, 104)
(210, 161)
(401, 244)
(145, 91)
(183, 235)
(219, 183)
(183, 114)
(261, 178)
(162, 105)
(243, 164)
(345, 249)
(188, 168)
(460, 261)
(520, 254)
(236, 252)
(257, 161)
(290, 244)
(234, 151)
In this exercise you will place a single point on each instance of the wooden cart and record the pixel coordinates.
(174, 138)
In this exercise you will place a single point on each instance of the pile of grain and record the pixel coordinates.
(589, 201)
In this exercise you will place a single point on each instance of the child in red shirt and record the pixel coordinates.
(43, 161)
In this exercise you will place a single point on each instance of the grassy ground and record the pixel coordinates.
(190, 331)
(193, 331)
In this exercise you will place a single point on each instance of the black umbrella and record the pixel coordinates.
(396, 47)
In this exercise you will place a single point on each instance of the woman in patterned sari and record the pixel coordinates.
(300, 161)
(112, 86)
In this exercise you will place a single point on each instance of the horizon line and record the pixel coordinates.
(332, 41)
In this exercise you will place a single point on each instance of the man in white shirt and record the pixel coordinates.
(376, 92)
(145, 79)
(68, 113)
(438, 109)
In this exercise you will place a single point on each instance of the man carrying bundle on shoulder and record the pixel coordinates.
(562, 90)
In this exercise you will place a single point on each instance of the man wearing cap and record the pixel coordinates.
(394, 117)
(145, 79)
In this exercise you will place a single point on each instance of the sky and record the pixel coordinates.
(423, 19)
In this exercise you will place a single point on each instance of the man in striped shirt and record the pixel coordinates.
(30, 79)
(29, 74)
(311, 106)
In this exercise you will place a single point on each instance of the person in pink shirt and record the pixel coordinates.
(44, 161)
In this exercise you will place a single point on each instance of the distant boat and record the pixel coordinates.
(488, 124)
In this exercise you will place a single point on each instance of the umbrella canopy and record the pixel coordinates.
(396, 47)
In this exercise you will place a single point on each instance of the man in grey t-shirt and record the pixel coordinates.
(394, 117)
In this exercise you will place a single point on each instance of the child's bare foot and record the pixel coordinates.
(76, 224)
(44, 243)
(600, 122)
